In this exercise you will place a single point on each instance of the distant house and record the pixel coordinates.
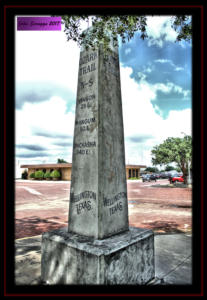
(133, 170)
(66, 168)
(63, 168)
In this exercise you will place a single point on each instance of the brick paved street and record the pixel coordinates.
(43, 206)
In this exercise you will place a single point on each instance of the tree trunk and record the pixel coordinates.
(185, 173)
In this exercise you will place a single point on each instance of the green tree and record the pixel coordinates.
(25, 174)
(124, 26)
(169, 168)
(151, 169)
(61, 161)
(178, 169)
(178, 150)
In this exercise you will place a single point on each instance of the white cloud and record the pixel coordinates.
(48, 117)
(141, 119)
(46, 56)
(141, 76)
(163, 61)
(128, 50)
(171, 87)
(148, 70)
(169, 61)
(159, 29)
(179, 69)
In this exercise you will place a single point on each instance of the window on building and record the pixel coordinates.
(133, 172)
(130, 173)
(136, 173)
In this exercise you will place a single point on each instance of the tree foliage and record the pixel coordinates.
(124, 26)
(151, 169)
(178, 150)
(169, 168)
(183, 26)
(25, 174)
(61, 161)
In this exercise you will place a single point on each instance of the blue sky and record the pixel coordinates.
(155, 82)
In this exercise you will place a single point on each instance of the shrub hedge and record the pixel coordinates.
(55, 174)
(39, 174)
(47, 175)
(32, 175)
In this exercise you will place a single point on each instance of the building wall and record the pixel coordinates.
(127, 173)
(30, 171)
(132, 172)
(66, 172)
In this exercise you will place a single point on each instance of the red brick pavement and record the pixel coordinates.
(43, 206)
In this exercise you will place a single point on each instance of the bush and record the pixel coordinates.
(55, 174)
(25, 174)
(39, 174)
(47, 175)
(32, 175)
(134, 178)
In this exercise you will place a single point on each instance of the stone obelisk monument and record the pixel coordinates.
(98, 247)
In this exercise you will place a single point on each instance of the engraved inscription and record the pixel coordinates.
(80, 147)
(87, 69)
(88, 58)
(115, 208)
(84, 105)
(86, 98)
(83, 195)
(85, 121)
(114, 203)
(89, 83)
(85, 102)
(85, 205)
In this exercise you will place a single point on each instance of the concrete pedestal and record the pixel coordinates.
(125, 258)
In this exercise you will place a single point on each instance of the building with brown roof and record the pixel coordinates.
(66, 168)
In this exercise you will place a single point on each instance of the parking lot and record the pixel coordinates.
(43, 206)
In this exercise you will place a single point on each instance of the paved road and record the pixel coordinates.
(43, 206)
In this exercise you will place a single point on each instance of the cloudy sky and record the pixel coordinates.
(155, 82)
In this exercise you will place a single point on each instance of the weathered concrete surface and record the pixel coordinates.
(28, 260)
(173, 260)
(126, 258)
(98, 195)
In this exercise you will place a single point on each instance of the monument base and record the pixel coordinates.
(125, 258)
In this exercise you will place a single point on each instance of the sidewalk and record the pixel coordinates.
(173, 260)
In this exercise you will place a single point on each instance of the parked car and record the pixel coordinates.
(148, 177)
(176, 179)
(153, 177)
(157, 175)
(163, 175)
